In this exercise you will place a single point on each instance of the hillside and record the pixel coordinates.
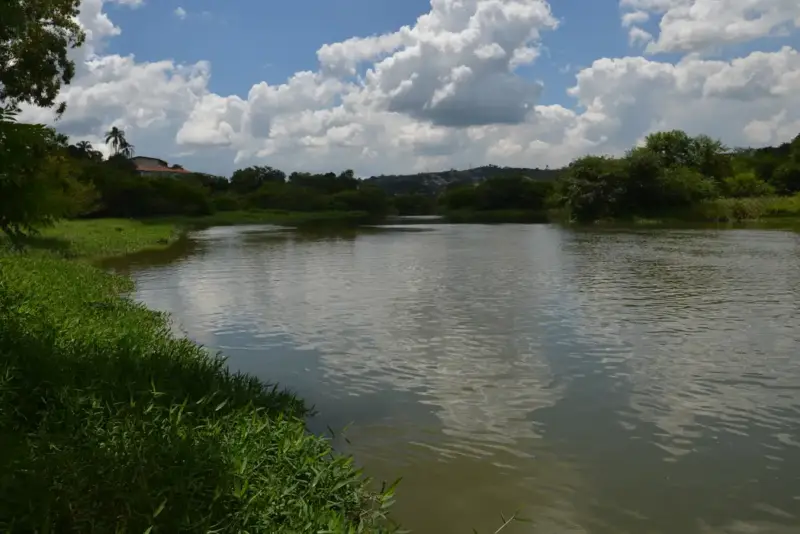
(431, 183)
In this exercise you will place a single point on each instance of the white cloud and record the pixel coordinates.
(775, 129)
(716, 97)
(440, 93)
(180, 13)
(638, 36)
(634, 17)
(703, 25)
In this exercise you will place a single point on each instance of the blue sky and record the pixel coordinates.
(249, 41)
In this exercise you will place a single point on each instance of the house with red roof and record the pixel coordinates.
(156, 167)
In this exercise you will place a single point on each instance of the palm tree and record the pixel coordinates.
(84, 147)
(85, 150)
(120, 145)
(127, 150)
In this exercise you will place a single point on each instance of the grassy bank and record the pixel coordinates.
(98, 238)
(276, 217)
(748, 209)
(759, 212)
(110, 424)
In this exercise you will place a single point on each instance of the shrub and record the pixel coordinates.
(683, 187)
(745, 185)
(786, 178)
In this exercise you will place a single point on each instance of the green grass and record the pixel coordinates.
(108, 423)
(276, 217)
(748, 209)
(98, 238)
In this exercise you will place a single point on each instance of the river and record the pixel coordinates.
(595, 381)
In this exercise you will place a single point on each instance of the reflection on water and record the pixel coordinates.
(595, 381)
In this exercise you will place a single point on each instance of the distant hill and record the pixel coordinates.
(431, 183)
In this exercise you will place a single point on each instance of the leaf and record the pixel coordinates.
(160, 508)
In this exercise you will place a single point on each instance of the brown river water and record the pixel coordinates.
(622, 381)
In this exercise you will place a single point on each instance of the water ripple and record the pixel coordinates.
(588, 377)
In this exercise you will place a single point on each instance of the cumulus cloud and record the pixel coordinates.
(180, 12)
(638, 36)
(441, 93)
(703, 25)
(716, 97)
(634, 17)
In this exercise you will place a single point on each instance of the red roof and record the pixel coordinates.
(163, 169)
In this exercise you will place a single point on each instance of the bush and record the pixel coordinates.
(368, 199)
(272, 196)
(747, 209)
(414, 204)
(683, 187)
(226, 202)
(786, 178)
(745, 185)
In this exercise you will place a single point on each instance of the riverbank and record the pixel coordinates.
(110, 424)
(495, 217)
(95, 239)
(276, 217)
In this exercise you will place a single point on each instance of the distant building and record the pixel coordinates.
(156, 167)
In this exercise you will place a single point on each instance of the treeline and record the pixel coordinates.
(434, 183)
(671, 174)
(674, 173)
(113, 188)
(43, 177)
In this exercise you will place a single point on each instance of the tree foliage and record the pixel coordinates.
(37, 182)
(35, 37)
(500, 193)
(250, 179)
(595, 187)
(119, 144)
(671, 171)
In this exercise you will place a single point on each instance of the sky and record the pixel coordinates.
(386, 87)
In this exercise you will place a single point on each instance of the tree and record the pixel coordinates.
(794, 153)
(84, 146)
(512, 192)
(248, 180)
(643, 191)
(702, 153)
(595, 188)
(674, 148)
(786, 178)
(709, 157)
(119, 144)
(84, 150)
(35, 177)
(34, 40)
